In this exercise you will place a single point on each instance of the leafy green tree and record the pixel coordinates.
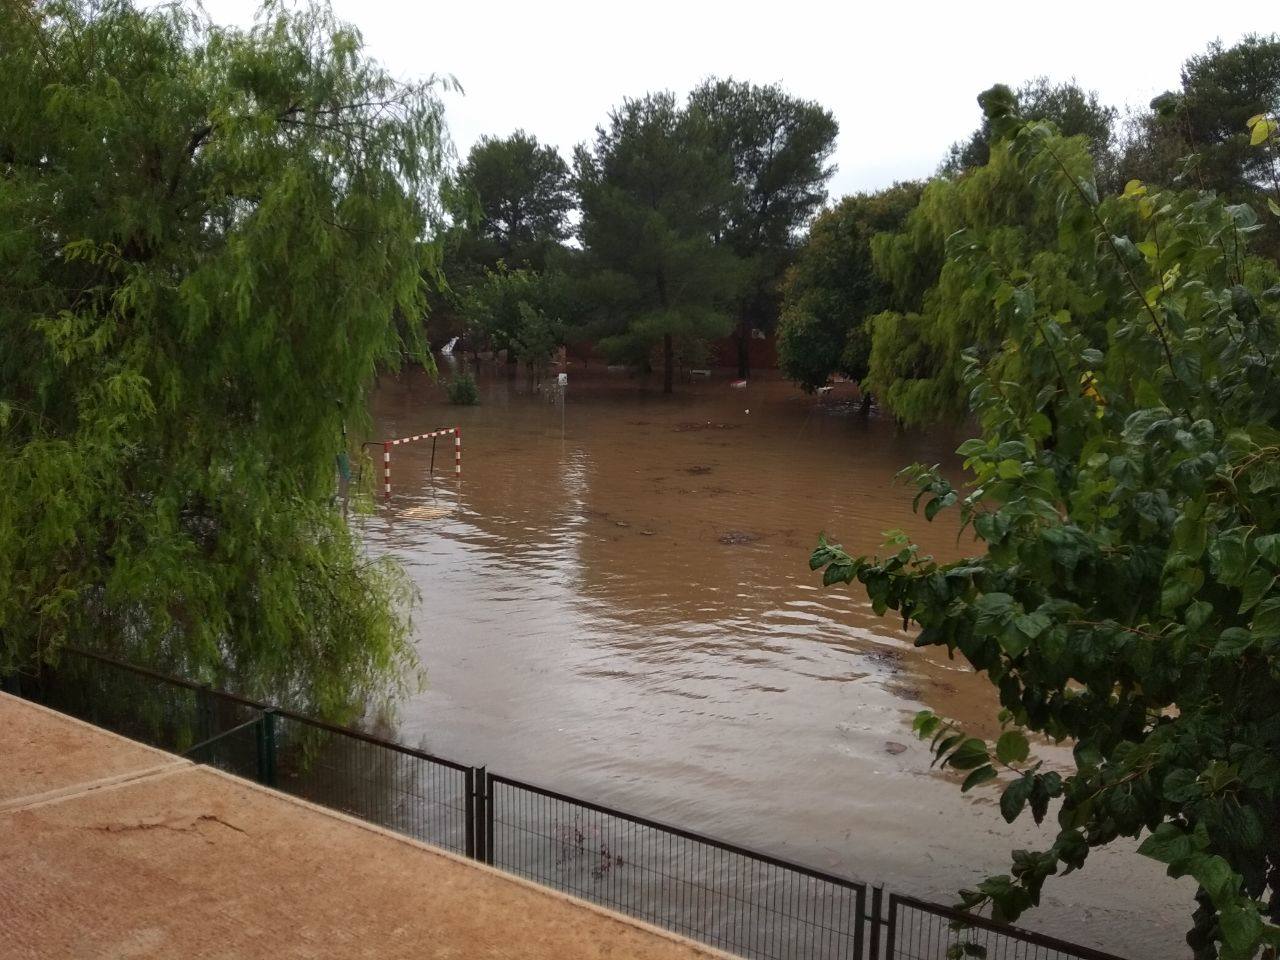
(209, 239)
(522, 197)
(521, 312)
(1124, 486)
(1198, 134)
(1074, 111)
(779, 147)
(832, 289)
(509, 205)
(917, 351)
(654, 192)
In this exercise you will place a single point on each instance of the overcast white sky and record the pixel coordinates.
(900, 77)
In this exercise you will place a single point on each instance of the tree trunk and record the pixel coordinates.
(744, 347)
(668, 363)
(867, 400)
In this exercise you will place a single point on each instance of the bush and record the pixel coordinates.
(463, 391)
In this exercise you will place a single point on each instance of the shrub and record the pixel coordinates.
(463, 391)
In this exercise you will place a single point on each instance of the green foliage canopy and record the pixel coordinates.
(520, 311)
(1198, 134)
(1124, 486)
(207, 236)
(778, 147)
(514, 196)
(654, 193)
(832, 289)
(1073, 110)
(916, 358)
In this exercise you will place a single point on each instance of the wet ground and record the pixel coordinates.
(616, 603)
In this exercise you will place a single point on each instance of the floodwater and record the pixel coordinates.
(616, 604)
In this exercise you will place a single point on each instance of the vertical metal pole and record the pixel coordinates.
(877, 895)
(860, 908)
(386, 470)
(457, 451)
(434, 438)
(469, 844)
(482, 817)
(488, 817)
(204, 714)
(890, 940)
(267, 748)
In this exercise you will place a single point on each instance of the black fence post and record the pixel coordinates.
(877, 897)
(469, 804)
(488, 816)
(204, 714)
(890, 943)
(9, 683)
(267, 748)
(479, 833)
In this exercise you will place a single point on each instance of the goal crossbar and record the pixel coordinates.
(433, 436)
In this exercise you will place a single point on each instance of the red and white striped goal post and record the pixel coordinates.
(456, 432)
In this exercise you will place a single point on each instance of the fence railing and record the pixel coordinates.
(722, 894)
(740, 900)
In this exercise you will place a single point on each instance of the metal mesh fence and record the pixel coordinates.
(237, 750)
(734, 899)
(403, 790)
(918, 930)
(158, 710)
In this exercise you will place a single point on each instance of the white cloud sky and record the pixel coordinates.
(901, 77)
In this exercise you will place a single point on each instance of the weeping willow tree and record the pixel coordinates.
(916, 356)
(210, 241)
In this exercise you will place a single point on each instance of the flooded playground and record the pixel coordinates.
(616, 603)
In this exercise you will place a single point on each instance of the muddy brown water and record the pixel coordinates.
(616, 604)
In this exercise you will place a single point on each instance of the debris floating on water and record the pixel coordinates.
(423, 512)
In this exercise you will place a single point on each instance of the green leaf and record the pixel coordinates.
(1261, 131)
(1232, 642)
(1012, 747)
(946, 744)
(1015, 797)
(1168, 844)
(978, 776)
(1229, 557)
(1266, 620)
(1181, 786)
(1215, 875)
(1174, 595)
(1031, 625)
(1197, 614)
(1241, 928)
(994, 605)
(925, 723)
(1269, 547)
(970, 754)
(1013, 642)
(1257, 584)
